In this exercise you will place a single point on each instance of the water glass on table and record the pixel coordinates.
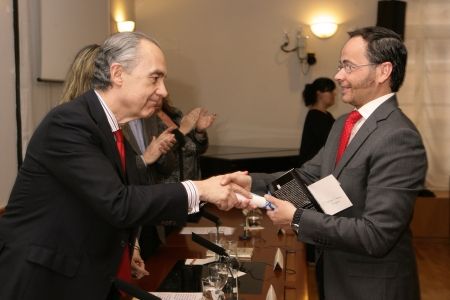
(208, 289)
(234, 264)
(218, 274)
(216, 236)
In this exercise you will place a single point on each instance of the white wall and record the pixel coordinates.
(225, 55)
(8, 132)
(38, 98)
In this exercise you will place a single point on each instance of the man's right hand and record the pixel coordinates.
(221, 190)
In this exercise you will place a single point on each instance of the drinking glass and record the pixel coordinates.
(208, 289)
(218, 275)
(216, 236)
(231, 247)
(233, 261)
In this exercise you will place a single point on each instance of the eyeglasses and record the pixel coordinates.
(348, 67)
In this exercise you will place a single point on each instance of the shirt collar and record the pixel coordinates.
(367, 109)
(109, 115)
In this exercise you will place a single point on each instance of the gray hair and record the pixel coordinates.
(119, 48)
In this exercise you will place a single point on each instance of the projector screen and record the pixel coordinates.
(66, 27)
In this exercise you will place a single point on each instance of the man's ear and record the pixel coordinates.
(116, 72)
(384, 71)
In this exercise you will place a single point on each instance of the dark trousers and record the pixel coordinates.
(310, 253)
(320, 278)
(113, 294)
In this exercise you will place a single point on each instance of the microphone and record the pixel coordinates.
(133, 290)
(212, 217)
(216, 249)
(209, 245)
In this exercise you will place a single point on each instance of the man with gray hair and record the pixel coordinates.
(72, 212)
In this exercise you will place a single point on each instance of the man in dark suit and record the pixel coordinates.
(365, 251)
(72, 212)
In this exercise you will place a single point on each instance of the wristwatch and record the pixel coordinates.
(296, 220)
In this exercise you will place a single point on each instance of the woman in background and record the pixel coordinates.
(181, 163)
(191, 143)
(318, 97)
(79, 77)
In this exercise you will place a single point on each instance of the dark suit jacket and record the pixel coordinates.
(366, 249)
(71, 211)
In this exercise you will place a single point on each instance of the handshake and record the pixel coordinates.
(230, 190)
(233, 190)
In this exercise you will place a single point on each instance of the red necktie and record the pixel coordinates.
(351, 120)
(120, 147)
(124, 271)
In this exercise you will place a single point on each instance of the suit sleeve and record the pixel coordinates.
(83, 158)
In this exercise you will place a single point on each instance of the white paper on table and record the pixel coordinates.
(253, 228)
(177, 296)
(329, 194)
(238, 274)
(206, 230)
(244, 253)
(271, 294)
(199, 261)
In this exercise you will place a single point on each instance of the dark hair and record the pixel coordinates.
(384, 45)
(321, 84)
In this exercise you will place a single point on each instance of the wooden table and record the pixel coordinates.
(289, 283)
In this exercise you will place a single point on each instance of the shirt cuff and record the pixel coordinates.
(193, 197)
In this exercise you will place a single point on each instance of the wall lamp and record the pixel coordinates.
(324, 29)
(306, 59)
(125, 26)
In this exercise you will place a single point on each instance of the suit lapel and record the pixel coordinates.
(99, 117)
(369, 126)
(128, 133)
(359, 139)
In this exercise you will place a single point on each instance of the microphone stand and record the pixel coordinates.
(217, 232)
(228, 261)
(245, 236)
(213, 218)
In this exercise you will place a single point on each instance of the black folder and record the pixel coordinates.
(291, 187)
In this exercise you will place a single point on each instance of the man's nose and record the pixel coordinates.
(162, 89)
(339, 75)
